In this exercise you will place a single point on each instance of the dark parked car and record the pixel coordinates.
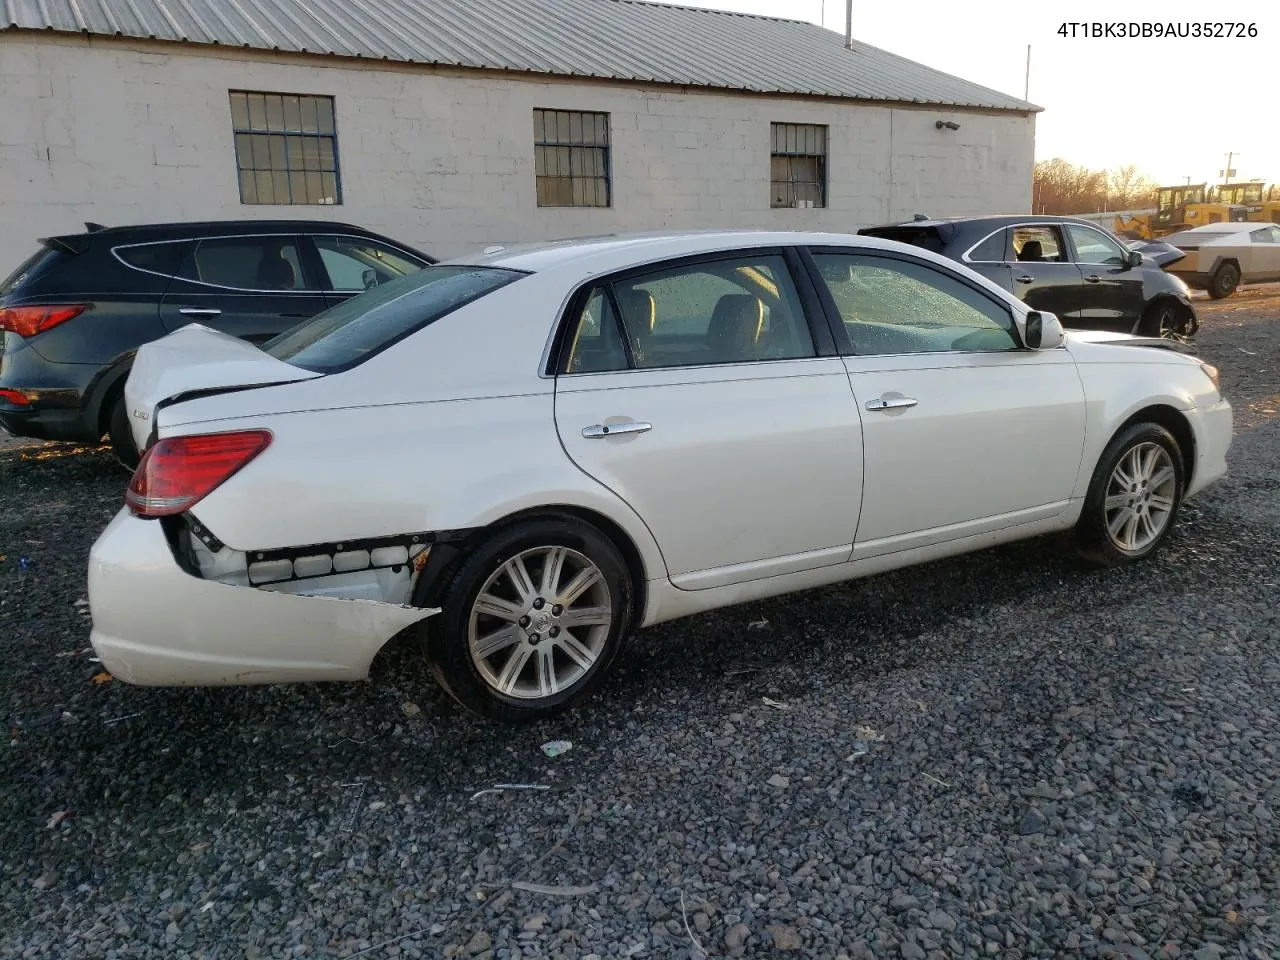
(73, 315)
(1066, 266)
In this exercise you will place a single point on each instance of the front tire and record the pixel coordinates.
(1170, 321)
(531, 620)
(1133, 498)
(1224, 282)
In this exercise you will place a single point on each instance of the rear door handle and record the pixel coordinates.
(1093, 278)
(1025, 279)
(598, 431)
(895, 403)
(200, 311)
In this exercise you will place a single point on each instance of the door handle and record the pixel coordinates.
(598, 431)
(896, 403)
(1025, 279)
(200, 311)
(1093, 278)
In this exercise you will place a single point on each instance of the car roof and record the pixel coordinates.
(1239, 227)
(600, 254)
(992, 220)
(193, 228)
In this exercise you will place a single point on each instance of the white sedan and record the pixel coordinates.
(530, 453)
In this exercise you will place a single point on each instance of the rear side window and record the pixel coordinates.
(246, 263)
(927, 238)
(161, 258)
(39, 262)
(991, 250)
(344, 336)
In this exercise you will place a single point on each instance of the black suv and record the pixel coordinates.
(1064, 265)
(73, 315)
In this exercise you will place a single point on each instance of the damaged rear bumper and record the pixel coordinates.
(156, 625)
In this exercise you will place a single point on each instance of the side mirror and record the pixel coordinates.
(370, 279)
(1043, 331)
(1132, 258)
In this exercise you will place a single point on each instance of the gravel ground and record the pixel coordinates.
(1001, 755)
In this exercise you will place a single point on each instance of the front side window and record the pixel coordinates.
(356, 329)
(1094, 247)
(286, 148)
(1265, 235)
(739, 310)
(1039, 245)
(354, 263)
(571, 158)
(798, 165)
(245, 263)
(894, 307)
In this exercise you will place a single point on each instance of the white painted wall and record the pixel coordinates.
(125, 132)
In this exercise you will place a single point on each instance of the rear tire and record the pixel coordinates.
(1225, 281)
(122, 444)
(531, 620)
(1133, 498)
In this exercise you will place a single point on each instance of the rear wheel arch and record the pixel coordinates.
(436, 577)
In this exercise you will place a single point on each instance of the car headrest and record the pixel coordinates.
(736, 325)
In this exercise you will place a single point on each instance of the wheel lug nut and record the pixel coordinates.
(554, 632)
(534, 638)
(556, 609)
(525, 621)
(539, 604)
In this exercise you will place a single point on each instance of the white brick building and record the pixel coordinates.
(126, 112)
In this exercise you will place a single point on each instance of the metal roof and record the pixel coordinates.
(606, 39)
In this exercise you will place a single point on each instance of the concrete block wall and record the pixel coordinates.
(121, 132)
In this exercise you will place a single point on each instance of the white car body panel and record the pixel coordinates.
(756, 479)
(1004, 430)
(772, 451)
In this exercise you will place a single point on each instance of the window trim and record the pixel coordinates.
(836, 321)
(309, 291)
(338, 200)
(557, 355)
(824, 184)
(967, 257)
(607, 147)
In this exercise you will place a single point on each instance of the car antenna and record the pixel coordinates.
(91, 227)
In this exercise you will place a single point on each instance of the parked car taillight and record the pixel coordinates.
(30, 320)
(177, 472)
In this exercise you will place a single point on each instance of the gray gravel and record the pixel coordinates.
(1002, 755)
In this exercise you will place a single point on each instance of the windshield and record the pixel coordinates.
(353, 331)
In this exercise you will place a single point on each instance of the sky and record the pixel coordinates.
(1172, 107)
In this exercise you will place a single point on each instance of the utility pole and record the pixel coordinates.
(1228, 172)
(1026, 86)
(848, 25)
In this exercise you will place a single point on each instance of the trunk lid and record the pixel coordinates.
(196, 361)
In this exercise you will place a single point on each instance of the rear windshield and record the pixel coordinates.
(927, 237)
(37, 263)
(351, 332)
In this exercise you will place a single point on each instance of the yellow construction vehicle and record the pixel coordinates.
(1172, 206)
(1263, 204)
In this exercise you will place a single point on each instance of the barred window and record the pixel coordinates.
(571, 158)
(799, 165)
(286, 148)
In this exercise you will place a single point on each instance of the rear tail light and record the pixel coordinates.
(177, 472)
(28, 321)
(15, 397)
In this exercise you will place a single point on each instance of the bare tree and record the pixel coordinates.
(1064, 188)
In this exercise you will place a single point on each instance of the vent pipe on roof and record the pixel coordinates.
(848, 24)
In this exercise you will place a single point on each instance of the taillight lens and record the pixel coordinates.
(28, 321)
(17, 398)
(177, 472)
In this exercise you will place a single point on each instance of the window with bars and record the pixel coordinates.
(799, 165)
(286, 148)
(571, 158)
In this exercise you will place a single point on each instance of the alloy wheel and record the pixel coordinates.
(539, 623)
(1140, 497)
